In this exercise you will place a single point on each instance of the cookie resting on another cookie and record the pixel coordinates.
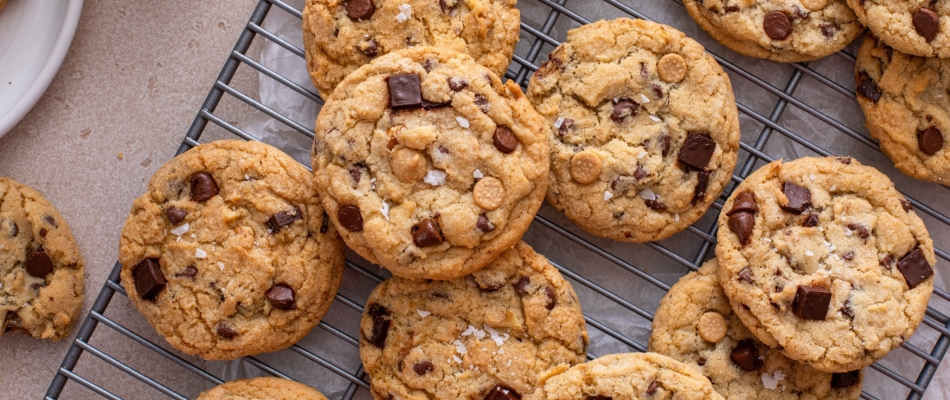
(262, 388)
(915, 27)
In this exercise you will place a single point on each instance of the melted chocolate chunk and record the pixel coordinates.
(405, 91)
(926, 23)
(868, 88)
(930, 141)
(427, 234)
(522, 286)
(423, 367)
(846, 379)
(777, 25)
(746, 275)
(370, 49)
(484, 224)
(639, 174)
(745, 202)
(828, 30)
(811, 221)
(906, 205)
(799, 198)
(350, 218)
(283, 219)
(846, 308)
(189, 272)
(356, 173)
(203, 186)
(624, 108)
(505, 140)
(380, 325)
(503, 393)
(457, 84)
(655, 205)
(702, 183)
(552, 298)
(149, 279)
(746, 356)
(844, 160)
(697, 151)
(566, 126)
(886, 262)
(742, 223)
(14, 229)
(225, 331)
(665, 144)
(175, 215)
(848, 256)
(651, 390)
(811, 302)
(281, 296)
(915, 268)
(359, 9)
(482, 103)
(38, 264)
(860, 229)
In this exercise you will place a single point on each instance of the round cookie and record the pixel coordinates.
(918, 27)
(779, 30)
(695, 325)
(905, 101)
(645, 129)
(429, 165)
(229, 253)
(631, 376)
(503, 329)
(341, 36)
(41, 270)
(824, 259)
(262, 388)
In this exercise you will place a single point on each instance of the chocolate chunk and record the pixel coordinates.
(797, 13)
(359, 9)
(930, 141)
(405, 91)
(14, 229)
(886, 262)
(811, 302)
(43, 232)
(746, 356)
(149, 280)
(702, 183)
(484, 224)
(39, 264)
(651, 390)
(203, 186)
(482, 103)
(799, 198)
(225, 331)
(446, 6)
(457, 84)
(860, 229)
(356, 173)
(906, 205)
(522, 286)
(505, 140)
(811, 221)
(189, 272)
(566, 126)
(655, 205)
(370, 48)
(730, 9)
(175, 215)
(426, 234)
(283, 219)
(868, 88)
(846, 308)
(915, 268)
(701, 362)
(665, 144)
(281, 296)
(697, 151)
(380, 325)
(828, 30)
(657, 90)
(552, 298)
(745, 202)
(846, 379)
(639, 174)
(777, 25)
(598, 397)
(746, 275)
(350, 218)
(741, 224)
(848, 256)
(428, 105)
(926, 23)
(423, 367)
(844, 160)
(503, 393)
(624, 108)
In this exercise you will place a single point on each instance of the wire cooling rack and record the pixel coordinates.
(810, 111)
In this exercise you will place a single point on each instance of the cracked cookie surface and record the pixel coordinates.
(695, 324)
(229, 252)
(342, 35)
(429, 165)
(824, 259)
(917, 27)
(905, 100)
(262, 388)
(41, 270)
(504, 328)
(780, 30)
(644, 129)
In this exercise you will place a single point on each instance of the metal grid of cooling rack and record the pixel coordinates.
(760, 124)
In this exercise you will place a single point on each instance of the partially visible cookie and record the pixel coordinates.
(644, 129)
(264, 388)
(229, 252)
(429, 165)
(905, 101)
(340, 36)
(501, 330)
(3, 3)
(631, 376)
(915, 27)
(780, 30)
(695, 325)
(41, 270)
(824, 259)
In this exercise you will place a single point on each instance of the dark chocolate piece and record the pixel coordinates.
(811, 302)
(149, 279)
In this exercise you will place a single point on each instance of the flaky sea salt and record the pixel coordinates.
(405, 12)
(423, 313)
(372, 183)
(655, 118)
(435, 178)
(498, 338)
(181, 230)
(463, 122)
(478, 174)
(771, 381)
(647, 194)
(644, 99)
(470, 331)
(642, 154)
(809, 253)
(221, 265)
(457, 359)
(608, 196)
(558, 122)
(385, 210)
(200, 253)
(847, 232)
(676, 218)
(460, 347)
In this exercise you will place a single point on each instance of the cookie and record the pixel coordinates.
(500, 331)
(229, 253)
(825, 260)
(779, 30)
(913, 27)
(905, 101)
(631, 376)
(695, 325)
(429, 165)
(644, 129)
(41, 270)
(341, 36)
(3, 3)
(262, 388)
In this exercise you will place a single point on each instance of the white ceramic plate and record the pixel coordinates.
(34, 38)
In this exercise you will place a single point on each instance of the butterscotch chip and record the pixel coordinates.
(585, 167)
(409, 165)
(489, 193)
(814, 5)
(712, 327)
(672, 68)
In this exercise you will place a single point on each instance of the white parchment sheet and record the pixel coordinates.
(596, 269)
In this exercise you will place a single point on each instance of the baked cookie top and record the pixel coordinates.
(262, 388)
(429, 165)
(229, 253)
(695, 325)
(41, 270)
(905, 101)
(917, 27)
(823, 258)
(644, 129)
(629, 376)
(780, 30)
(501, 330)
(343, 35)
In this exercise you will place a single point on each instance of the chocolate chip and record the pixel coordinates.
(380, 324)
(426, 234)
(886, 262)
(350, 218)
(746, 356)
(189, 272)
(482, 103)
(651, 390)
(149, 280)
(175, 215)
(356, 173)
(566, 126)
(797, 13)
(915, 268)
(405, 91)
(445, 6)
(655, 205)
(846, 379)
(811, 302)
(846, 308)
(359, 9)
(657, 90)
(624, 108)
(423, 367)
(484, 224)
(665, 144)
(225, 331)
(828, 30)
(503, 393)
(552, 298)
(203, 186)
(906, 205)
(777, 25)
(930, 141)
(862, 231)
(844, 160)
(741, 224)
(281, 296)
(799, 198)
(457, 84)
(639, 174)
(370, 48)
(49, 220)
(926, 23)
(697, 151)
(848, 256)
(701, 362)
(505, 140)
(731, 9)
(746, 275)
(428, 105)
(868, 88)
(283, 219)
(39, 264)
(810, 221)
(43, 232)
(702, 183)
(521, 287)
(745, 202)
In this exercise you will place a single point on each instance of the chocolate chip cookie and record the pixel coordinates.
(498, 332)
(340, 36)
(229, 253)
(695, 325)
(429, 165)
(916, 27)
(41, 270)
(780, 30)
(824, 259)
(262, 388)
(644, 129)
(904, 98)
